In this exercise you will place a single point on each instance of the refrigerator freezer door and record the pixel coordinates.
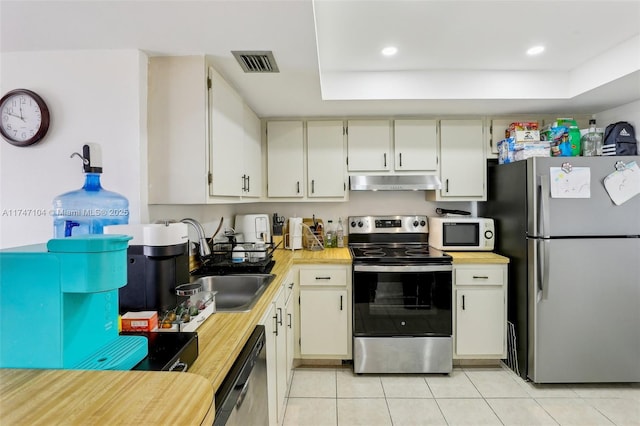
(584, 310)
(568, 217)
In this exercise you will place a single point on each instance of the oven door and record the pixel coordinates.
(397, 300)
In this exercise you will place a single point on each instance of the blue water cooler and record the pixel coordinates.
(59, 305)
(89, 209)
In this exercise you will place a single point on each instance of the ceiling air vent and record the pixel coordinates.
(256, 60)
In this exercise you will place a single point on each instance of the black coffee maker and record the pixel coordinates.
(157, 261)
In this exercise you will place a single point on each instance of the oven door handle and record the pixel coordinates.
(402, 268)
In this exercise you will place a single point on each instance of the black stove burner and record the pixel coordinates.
(410, 253)
(373, 252)
(422, 251)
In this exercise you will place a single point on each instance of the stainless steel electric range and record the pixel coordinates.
(401, 297)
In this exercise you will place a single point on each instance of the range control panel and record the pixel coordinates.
(387, 224)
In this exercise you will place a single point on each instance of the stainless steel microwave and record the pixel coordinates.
(461, 233)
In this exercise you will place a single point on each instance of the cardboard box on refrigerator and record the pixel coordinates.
(523, 125)
(506, 151)
(533, 149)
(526, 135)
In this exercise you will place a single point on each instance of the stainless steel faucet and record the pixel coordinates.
(202, 239)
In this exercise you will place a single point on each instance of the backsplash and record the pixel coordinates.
(360, 203)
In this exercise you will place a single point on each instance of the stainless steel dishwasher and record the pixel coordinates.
(242, 397)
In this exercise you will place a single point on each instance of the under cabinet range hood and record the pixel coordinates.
(394, 182)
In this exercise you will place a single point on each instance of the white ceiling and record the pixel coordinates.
(455, 57)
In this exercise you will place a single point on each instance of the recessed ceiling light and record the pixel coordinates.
(535, 50)
(389, 51)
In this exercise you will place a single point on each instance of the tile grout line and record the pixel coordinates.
(483, 397)
(436, 400)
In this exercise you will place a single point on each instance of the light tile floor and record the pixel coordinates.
(469, 396)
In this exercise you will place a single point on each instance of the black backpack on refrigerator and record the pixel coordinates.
(619, 139)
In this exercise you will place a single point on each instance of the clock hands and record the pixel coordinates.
(15, 115)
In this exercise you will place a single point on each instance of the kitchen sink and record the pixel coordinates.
(236, 293)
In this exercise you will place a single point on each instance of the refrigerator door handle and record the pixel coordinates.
(543, 269)
(543, 209)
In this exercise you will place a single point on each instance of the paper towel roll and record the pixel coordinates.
(295, 233)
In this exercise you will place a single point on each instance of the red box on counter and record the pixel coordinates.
(140, 321)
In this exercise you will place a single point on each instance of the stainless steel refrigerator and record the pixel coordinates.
(574, 276)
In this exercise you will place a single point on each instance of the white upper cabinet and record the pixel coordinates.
(285, 159)
(411, 146)
(463, 164)
(252, 155)
(369, 145)
(416, 145)
(203, 139)
(326, 171)
(227, 138)
(178, 130)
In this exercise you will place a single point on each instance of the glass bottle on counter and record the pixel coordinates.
(329, 236)
(339, 234)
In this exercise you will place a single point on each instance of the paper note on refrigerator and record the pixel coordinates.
(623, 184)
(575, 183)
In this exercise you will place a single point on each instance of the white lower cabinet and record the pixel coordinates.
(480, 320)
(279, 335)
(325, 312)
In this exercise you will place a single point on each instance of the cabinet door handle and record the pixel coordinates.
(248, 182)
(290, 320)
(298, 187)
(275, 318)
(480, 277)
(400, 155)
(385, 159)
(290, 286)
(446, 185)
(313, 186)
(280, 320)
(244, 183)
(463, 302)
(340, 302)
(323, 278)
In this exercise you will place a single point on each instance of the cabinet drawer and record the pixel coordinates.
(333, 277)
(479, 276)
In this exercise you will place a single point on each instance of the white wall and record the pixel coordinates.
(93, 96)
(629, 112)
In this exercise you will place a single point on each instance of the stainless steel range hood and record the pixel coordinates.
(394, 183)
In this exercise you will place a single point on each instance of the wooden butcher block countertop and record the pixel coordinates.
(33, 397)
(477, 257)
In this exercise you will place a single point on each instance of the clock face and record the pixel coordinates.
(24, 117)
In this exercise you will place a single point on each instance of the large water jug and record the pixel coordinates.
(89, 209)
